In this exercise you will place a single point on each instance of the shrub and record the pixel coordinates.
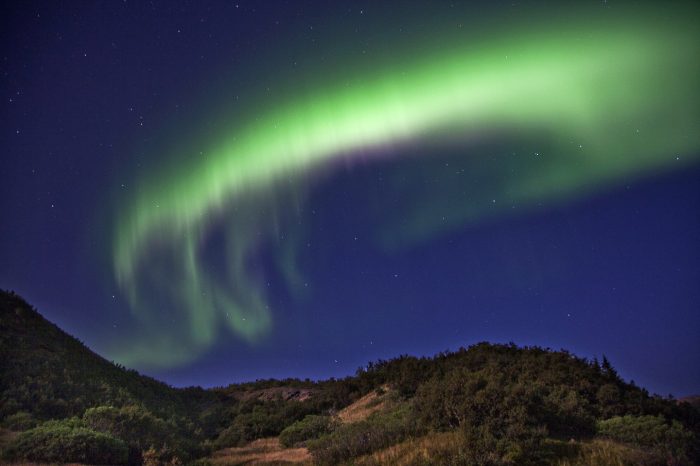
(360, 438)
(603, 452)
(160, 457)
(133, 424)
(310, 427)
(246, 427)
(140, 429)
(509, 441)
(202, 462)
(672, 440)
(19, 421)
(502, 422)
(234, 435)
(256, 419)
(60, 442)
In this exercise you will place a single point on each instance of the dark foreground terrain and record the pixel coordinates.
(482, 405)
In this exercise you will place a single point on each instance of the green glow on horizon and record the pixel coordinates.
(623, 89)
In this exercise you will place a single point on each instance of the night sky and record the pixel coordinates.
(239, 190)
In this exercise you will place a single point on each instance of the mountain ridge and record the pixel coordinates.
(485, 404)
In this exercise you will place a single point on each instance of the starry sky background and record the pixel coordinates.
(95, 95)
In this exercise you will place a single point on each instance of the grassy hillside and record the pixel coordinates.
(54, 388)
(51, 374)
(484, 405)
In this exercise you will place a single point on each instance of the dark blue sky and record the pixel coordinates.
(89, 91)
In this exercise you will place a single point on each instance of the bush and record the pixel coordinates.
(160, 457)
(502, 423)
(311, 427)
(19, 421)
(360, 438)
(672, 440)
(60, 442)
(141, 430)
(246, 427)
(133, 424)
(604, 452)
(257, 419)
(509, 441)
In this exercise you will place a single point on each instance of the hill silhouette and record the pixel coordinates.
(51, 374)
(486, 404)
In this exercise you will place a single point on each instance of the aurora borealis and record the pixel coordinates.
(218, 228)
(575, 89)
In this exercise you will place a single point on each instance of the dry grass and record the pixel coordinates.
(444, 448)
(430, 449)
(364, 407)
(273, 393)
(41, 464)
(6, 437)
(266, 451)
(600, 452)
(269, 451)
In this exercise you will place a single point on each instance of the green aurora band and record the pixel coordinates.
(613, 98)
